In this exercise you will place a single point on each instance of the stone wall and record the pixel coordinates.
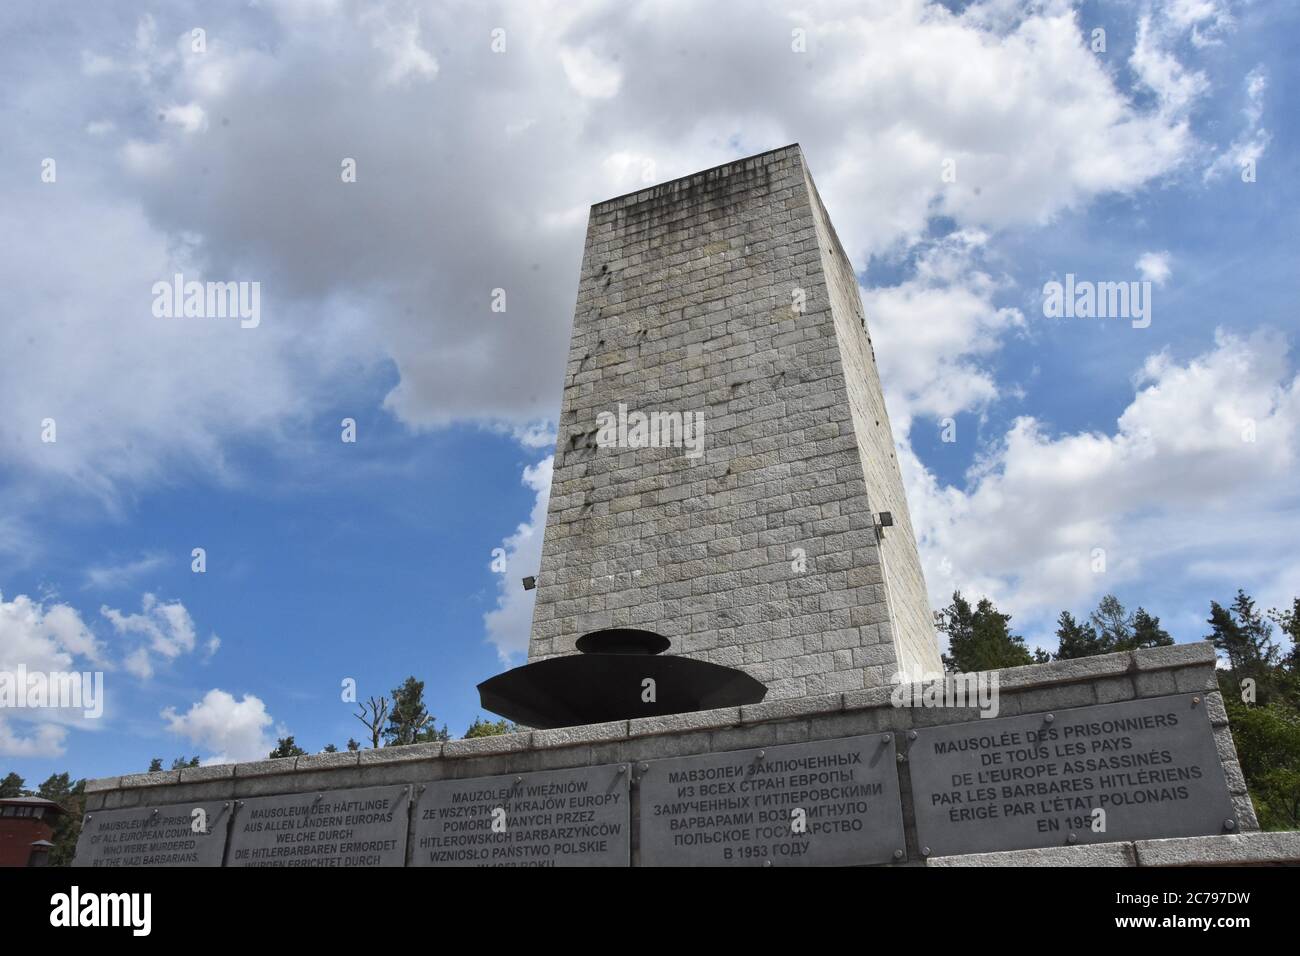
(1158, 672)
(686, 305)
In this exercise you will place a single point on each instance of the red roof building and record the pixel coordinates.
(26, 826)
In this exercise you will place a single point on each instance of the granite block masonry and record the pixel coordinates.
(742, 522)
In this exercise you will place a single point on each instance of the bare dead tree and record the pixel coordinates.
(373, 715)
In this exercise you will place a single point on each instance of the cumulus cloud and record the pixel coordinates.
(41, 637)
(931, 331)
(510, 623)
(231, 730)
(165, 628)
(1197, 462)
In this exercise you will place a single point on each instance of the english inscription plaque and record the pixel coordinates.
(1143, 769)
(335, 828)
(191, 834)
(827, 803)
(573, 817)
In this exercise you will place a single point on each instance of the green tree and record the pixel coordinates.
(330, 749)
(409, 721)
(12, 785)
(353, 745)
(285, 747)
(1245, 637)
(1147, 631)
(489, 728)
(980, 639)
(181, 762)
(1075, 640)
(1267, 739)
(67, 826)
(155, 765)
(1113, 624)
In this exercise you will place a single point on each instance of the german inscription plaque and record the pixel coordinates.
(573, 817)
(827, 803)
(336, 828)
(191, 834)
(1143, 769)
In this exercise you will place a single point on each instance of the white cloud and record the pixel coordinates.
(1250, 145)
(107, 577)
(232, 730)
(1154, 267)
(165, 626)
(1201, 463)
(45, 638)
(931, 331)
(510, 623)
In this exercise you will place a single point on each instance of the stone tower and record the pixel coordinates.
(725, 298)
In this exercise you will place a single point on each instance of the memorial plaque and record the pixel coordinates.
(188, 834)
(334, 828)
(827, 803)
(1013, 783)
(573, 817)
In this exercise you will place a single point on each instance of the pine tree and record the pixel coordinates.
(12, 785)
(980, 639)
(1147, 631)
(1113, 624)
(285, 747)
(1076, 640)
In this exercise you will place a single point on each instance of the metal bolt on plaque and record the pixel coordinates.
(1229, 824)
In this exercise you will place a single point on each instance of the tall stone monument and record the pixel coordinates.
(723, 302)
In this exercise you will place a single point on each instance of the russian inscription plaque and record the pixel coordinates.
(826, 803)
(337, 828)
(573, 817)
(191, 834)
(1142, 769)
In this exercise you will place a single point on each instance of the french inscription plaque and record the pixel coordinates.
(1013, 783)
(336, 828)
(190, 834)
(573, 817)
(827, 803)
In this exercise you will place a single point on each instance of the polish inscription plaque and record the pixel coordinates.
(336, 828)
(191, 834)
(826, 803)
(1143, 769)
(577, 817)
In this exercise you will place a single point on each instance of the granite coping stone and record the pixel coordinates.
(1234, 848)
(382, 755)
(326, 761)
(1096, 854)
(486, 746)
(156, 779)
(216, 771)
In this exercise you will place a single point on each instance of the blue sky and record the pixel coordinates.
(372, 560)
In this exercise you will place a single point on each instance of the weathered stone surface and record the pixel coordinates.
(584, 734)
(343, 758)
(1175, 655)
(728, 295)
(157, 779)
(1098, 854)
(1229, 849)
(219, 771)
(486, 746)
(378, 755)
